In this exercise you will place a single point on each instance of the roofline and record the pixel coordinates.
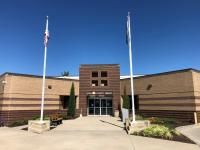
(36, 76)
(165, 73)
(56, 78)
(99, 65)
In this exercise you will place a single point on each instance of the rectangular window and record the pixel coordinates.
(104, 74)
(64, 101)
(94, 74)
(136, 102)
(104, 83)
(94, 82)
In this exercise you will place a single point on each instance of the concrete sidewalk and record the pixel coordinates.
(192, 132)
(87, 133)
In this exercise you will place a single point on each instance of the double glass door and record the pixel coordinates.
(100, 106)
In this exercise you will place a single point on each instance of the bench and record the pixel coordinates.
(55, 119)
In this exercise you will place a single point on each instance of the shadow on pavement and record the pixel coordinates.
(111, 124)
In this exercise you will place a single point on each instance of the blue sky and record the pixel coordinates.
(166, 35)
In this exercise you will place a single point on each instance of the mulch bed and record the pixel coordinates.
(183, 139)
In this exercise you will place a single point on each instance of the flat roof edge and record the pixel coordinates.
(36, 76)
(143, 76)
(165, 73)
(89, 65)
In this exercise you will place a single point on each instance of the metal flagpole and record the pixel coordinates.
(131, 66)
(44, 69)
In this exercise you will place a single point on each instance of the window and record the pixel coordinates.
(64, 102)
(136, 102)
(104, 83)
(94, 82)
(104, 74)
(94, 74)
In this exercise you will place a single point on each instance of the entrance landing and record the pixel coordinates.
(98, 123)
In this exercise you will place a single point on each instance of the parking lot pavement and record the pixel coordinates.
(87, 133)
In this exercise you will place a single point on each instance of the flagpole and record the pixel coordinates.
(131, 67)
(44, 74)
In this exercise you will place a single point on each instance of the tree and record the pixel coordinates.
(126, 100)
(65, 73)
(72, 103)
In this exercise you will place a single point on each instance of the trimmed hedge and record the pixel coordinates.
(18, 123)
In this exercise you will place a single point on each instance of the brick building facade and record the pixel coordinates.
(98, 92)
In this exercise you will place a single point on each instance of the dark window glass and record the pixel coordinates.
(91, 111)
(104, 74)
(91, 102)
(109, 103)
(97, 111)
(109, 111)
(103, 102)
(64, 102)
(103, 111)
(136, 101)
(97, 103)
(104, 83)
(94, 74)
(94, 82)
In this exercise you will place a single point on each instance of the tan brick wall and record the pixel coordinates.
(170, 91)
(161, 84)
(2, 78)
(24, 92)
(33, 86)
(196, 82)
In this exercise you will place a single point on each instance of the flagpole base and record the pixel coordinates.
(38, 126)
(135, 126)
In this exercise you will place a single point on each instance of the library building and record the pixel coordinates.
(98, 90)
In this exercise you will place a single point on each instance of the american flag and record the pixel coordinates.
(128, 32)
(46, 34)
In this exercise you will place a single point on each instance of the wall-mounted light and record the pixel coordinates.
(49, 87)
(149, 87)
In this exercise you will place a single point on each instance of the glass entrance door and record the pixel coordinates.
(97, 106)
(91, 106)
(100, 106)
(103, 107)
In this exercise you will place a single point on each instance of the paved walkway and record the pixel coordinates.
(87, 133)
(192, 132)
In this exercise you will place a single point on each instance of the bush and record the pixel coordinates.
(64, 116)
(18, 123)
(126, 100)
(72, 103)
(168, 122)
(46, 117)
(155, 120)
(139, 117)
(156, 131)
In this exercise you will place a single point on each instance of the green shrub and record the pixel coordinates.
(155, 120)
(139, 117)
(35, 118)
(46, 117)
(64, 117)
(18, 123)
(156, 131)
(175, 132)
(168, 122)
(126, 100)
(72, 103)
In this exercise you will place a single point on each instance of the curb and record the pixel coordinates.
(182, 130)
